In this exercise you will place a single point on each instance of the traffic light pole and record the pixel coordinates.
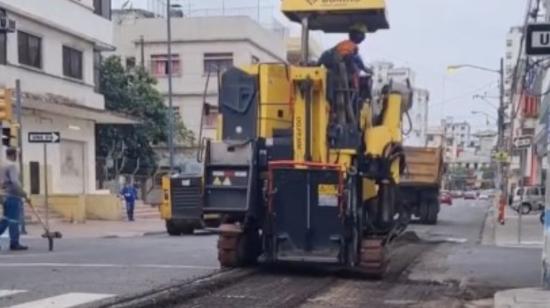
(19, 111)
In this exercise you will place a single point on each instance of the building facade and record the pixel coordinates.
(55, 53)
(201, 46)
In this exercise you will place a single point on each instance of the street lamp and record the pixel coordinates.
(169, 8)
(500, 143)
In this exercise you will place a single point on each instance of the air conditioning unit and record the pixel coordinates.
(7, 25)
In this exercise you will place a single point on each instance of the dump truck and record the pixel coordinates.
(421, 182)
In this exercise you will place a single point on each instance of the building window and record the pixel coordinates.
(72, 62)
(211, 118)
(30, 49)
(103, 8)
(130, 62)
(214, 62)
(509, 43)
(160, 67)
(3, 43)
(3, 48)
(508, 55)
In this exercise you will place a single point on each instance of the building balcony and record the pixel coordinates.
(530, 106)
(68, 16)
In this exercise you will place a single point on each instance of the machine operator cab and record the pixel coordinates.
(346, 89)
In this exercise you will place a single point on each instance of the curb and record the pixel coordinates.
(168, 295)
(522, 298)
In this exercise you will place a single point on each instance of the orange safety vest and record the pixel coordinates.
(347, 48)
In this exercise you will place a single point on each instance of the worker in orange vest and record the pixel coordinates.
(348, 51)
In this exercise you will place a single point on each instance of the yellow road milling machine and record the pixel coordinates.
(305, 171)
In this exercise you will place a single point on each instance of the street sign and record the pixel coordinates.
(501, 156)
(44, 137)
(538, 39)
(523, 142)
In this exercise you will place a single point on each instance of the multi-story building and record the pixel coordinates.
(55, 52)
(386, 73)
(201, 47)
(419, 119)
(458, 132)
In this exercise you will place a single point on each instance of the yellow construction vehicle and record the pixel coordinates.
(305, 170)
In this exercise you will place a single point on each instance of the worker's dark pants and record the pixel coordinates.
(12, 215)
(130, 205)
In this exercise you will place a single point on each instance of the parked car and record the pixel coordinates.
(457, 194)
(445, 198)
(470, 195)
(528, 198)
(483, 196)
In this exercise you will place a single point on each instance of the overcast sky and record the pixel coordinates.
(429, 35)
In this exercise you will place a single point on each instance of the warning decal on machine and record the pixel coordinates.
(328, 195)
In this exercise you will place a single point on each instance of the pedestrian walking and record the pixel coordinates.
(13, 195)
(129, 193)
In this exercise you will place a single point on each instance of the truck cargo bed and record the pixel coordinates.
(424, 167)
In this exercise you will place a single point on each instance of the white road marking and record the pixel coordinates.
(64, 301)
(99, 265)
(6, 293)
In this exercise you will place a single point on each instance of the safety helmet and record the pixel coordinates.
(359, 27)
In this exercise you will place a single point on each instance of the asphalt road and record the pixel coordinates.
(447, 260)
(81, 271)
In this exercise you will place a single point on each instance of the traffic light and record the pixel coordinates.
(9, 136)
(6, 104)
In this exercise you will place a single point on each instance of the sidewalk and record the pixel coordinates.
(507, 235)
(101, 229)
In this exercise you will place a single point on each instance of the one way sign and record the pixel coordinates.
(538, 39)
(44, 137)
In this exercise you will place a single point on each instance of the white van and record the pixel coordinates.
(528, 198)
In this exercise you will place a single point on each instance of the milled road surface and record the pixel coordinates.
(287, 287)
(412, 281)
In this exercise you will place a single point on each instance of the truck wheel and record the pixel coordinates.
(433, 211)
(423, 211)
(187, 228)
(525, 208)
(172, 228)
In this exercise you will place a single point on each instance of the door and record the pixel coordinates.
(72, 167)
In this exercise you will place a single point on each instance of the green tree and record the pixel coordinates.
(129, 149)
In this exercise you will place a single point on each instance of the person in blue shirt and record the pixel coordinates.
(129, 193)
(13, 195)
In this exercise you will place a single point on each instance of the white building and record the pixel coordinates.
(419, 119)
(54, 52)
(200, 46)
(384, 72)
(458, 132)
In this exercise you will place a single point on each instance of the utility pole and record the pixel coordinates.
(142, 51)
(170, 103)
(19, 114)
(501, 178)
(546, 250)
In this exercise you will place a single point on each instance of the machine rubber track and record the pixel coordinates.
(374, 259)
(228, 246)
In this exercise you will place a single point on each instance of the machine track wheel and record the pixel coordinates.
(237, 248)
(374, 261)
(228, 245)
